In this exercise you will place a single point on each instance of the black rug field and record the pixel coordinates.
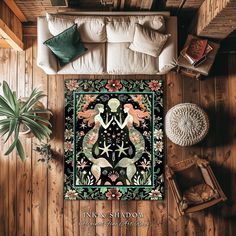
(113, 140)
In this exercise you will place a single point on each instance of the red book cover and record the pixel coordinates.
(196, 48)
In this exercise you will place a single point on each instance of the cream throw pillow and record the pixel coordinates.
(148, 41)
(121, 28)
(57, 24)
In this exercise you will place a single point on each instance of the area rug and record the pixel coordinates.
(113, 139)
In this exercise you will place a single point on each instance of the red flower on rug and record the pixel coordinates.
(113, 194)
(113, 85)
(154, 85)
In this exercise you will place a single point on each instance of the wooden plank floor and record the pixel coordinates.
(31, 197)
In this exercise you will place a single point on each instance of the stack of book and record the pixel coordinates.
(196, 50)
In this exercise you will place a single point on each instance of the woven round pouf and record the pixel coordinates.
(186, 124)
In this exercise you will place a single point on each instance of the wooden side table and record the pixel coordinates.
(185, 68)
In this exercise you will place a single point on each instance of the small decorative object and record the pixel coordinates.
(46, 153)
(186, 124)
(196, 51)
(113, 139)
(23, 116)
(197, 57)
(193, 185)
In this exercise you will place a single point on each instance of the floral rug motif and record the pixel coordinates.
(113, 139)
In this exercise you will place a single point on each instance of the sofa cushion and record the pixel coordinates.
(67, 45)
(148, 41)
(121, 29)
(122, 60)
(92, 62)
(92, 28)
(59, 23)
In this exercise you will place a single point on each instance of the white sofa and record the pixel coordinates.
(107, 37)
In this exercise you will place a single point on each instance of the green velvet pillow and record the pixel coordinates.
(67, 45)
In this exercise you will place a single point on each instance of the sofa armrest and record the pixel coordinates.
(45, 60)
(168, 56)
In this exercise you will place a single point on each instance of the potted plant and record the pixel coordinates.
(22, 116)
(46, 153)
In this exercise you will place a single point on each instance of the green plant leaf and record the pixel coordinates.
(4, 112)
(34, 98)
(8, 94)
(14, 97)
(5, 121)
(37, 134)
(32, 95)
(17, 109)
(4, 129)
(4, 126)
(35, 117)
(40, 130)
(20, 150)
(12, 127)
(10, 149)
(5, 106)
